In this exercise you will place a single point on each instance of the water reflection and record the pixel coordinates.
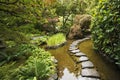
(67, 75)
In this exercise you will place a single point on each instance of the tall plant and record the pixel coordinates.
(105, 28)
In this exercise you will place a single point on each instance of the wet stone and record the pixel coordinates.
(87, 78)
(75, 51)
(91, 73)
(79, 54)
(87, 64)
(83, 59)
(73, 48)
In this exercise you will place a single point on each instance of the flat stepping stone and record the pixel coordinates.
(87, 78)
(87, 64)
(91, 73)
(79, 54)
(72, 46)
(71, 49)
(83, 59)
(75, 51)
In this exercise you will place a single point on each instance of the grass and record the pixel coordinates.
(56, 39)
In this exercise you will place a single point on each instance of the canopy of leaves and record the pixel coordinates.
(105, 28)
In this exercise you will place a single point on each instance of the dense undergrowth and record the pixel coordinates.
(106, 28)
(36, 63)
(21, 59)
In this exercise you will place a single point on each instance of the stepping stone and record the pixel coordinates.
(79, 54)
(87, 78)
(75, 51)
(71, 49)
(91, 73)
(87, 64)
(83, 59)
(71, 46)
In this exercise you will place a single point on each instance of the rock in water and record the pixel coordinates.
(90, 73)
(79, 54)
(83, 58)
(87, 64)
(75, 51)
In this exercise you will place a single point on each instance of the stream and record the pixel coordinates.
(68, 69)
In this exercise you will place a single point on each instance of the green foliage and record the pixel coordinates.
(9, 72)
(39, 40)
(16, 52)
(21, 11)
(39, 65)
(27, 29)
(56, 39)
(105, 28)
(10, 35)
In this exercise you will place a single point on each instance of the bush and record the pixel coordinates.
(26, 28)
(39, 40)
(16, 52)
(7, 34)
(39, 65)
(56, 39)
(106, 28)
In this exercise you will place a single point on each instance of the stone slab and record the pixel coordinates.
(87, 78)
(87, 64)
(83, 58)
(75, 51)
(90, 73)
(79, 54)
(73, 48)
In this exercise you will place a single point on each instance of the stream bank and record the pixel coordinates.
(68, 69)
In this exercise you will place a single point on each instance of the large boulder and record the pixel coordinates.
(75, 32)
(81, 23)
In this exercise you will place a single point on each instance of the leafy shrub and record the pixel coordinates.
(26, 28)
(9, 72)
(10, 43)
(16, 52)
(7, 34)
(38, 65)
(39, 40)
(56, 39)
(105, 28)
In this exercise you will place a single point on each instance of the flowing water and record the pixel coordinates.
(68, 69)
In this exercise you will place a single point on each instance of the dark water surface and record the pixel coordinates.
(107, 70)
(67, 66)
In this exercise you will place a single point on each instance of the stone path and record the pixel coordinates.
(88, 71)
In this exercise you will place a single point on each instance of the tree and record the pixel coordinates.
(106, 28)
(21, 11)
